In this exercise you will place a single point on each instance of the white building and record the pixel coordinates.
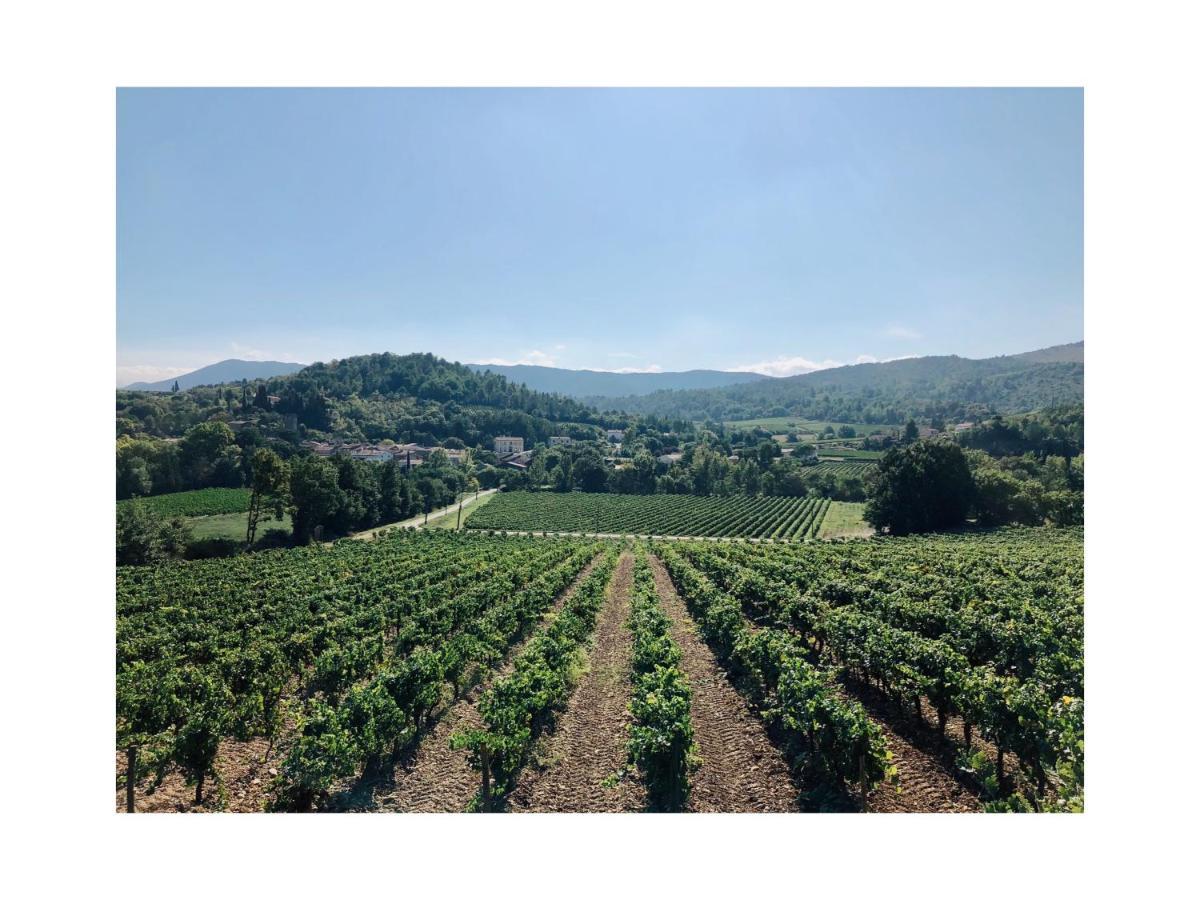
(615, 435)
(508, 444)
(560, 440)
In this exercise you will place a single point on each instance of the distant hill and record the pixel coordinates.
(949, 387)
(220, 373)
(1060, 353)
(416, 397)
(589, 383)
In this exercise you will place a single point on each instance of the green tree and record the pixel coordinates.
(143, 537)
(269, 487)
(924, 486)
(997, 497)
(316, 496)
(261, 400)
(200, 449)
(589, 474)
(911, 432)
(175, 387)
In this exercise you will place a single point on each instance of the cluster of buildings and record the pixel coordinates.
(409, 455)
(511, 452)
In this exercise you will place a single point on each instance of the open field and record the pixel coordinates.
(806, 676)
(781, 518)
(204, 502)
(844, 520)
(232, 526)
(450, 519)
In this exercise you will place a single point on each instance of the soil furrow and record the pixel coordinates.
(436, 778)
(581, 766)
(924, 765)
(740, 769)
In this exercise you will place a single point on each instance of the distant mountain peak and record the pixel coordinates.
(225, 371)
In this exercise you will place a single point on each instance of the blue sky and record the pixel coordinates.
(775, 230)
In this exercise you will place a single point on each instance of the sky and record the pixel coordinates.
(773, 230)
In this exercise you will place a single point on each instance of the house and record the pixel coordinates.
(507, 444)
(561, 440)
(963, 426)
(615, 435)
(368, 452)
(320, 448)
(518, 460)
(667, 458)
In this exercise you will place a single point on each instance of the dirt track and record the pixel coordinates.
(581, 767)
(436, 778)
(741, 770)
(926, 775)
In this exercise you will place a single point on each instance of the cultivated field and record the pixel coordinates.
(916, 674)
(851, 468)
(780, 518)
(785, 424)
(204, 502)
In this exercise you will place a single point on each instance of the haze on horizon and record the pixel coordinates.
(775, 230)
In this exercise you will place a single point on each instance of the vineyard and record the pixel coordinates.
(448, 671)
(984, 630)
(347, 648)
(845, 468)
(204, 502)
(778, 518)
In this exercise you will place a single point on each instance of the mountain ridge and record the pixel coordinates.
(593, 382)
(222, 372)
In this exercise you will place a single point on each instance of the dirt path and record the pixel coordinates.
(436, 778)
(741, 770)
(925, 766)
(588, 747)
(417, 521)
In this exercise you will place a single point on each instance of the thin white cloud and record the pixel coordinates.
(632, 369)
(530, 358)
(130, 374)
(241, 351)
(622, 354)
(903, 333)
(782, 366)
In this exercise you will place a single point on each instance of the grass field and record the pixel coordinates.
(450, 520)
(844, 520)
(233, 526)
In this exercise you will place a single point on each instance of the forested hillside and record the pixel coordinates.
(925, 388)
(381, 396)
(588, 383)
